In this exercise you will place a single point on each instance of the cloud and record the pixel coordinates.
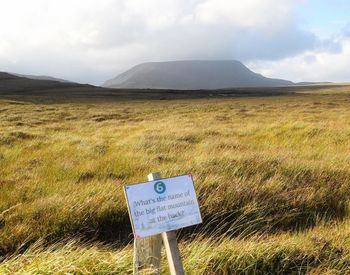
(268, 14)
(346, 30)
(309, 66)
(90, 41)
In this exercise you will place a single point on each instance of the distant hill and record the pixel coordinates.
(40, 77)
(10, 83)
(306, 83)
(7, 76)
(192, 75)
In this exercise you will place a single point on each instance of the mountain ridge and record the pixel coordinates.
(192, 75)
(41, 77)
(10, 83)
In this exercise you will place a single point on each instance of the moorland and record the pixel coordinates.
(271, 168)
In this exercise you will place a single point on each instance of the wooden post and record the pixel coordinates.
(147, 251)
(173, 253)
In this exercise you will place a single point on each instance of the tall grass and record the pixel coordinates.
(322, 250)
(262, 166)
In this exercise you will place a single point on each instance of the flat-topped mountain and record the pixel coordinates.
(192, 75)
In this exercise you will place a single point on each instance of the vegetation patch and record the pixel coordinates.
(272, 179)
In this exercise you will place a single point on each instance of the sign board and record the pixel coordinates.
(162, 205)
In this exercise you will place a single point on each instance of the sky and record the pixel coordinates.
(90, 41)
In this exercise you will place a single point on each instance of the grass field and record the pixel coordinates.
(272, 174)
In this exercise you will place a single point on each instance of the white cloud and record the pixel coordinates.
(310, 66)
(268, 14)
(90, 41)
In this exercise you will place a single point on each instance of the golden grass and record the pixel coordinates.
(262, 166)
(322, 250)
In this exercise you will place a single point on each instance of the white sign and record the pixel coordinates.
(162, 205)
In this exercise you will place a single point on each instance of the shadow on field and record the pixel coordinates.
(44, 91)
(76, 95)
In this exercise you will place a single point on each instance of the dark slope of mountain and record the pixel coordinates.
(40, 77)
(192, 75)
(10, 83)
(7, 76)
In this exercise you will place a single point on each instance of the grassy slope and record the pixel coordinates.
(265, 168)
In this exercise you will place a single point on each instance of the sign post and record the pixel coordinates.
(160, 206)
(147, 251)
(173, 253)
